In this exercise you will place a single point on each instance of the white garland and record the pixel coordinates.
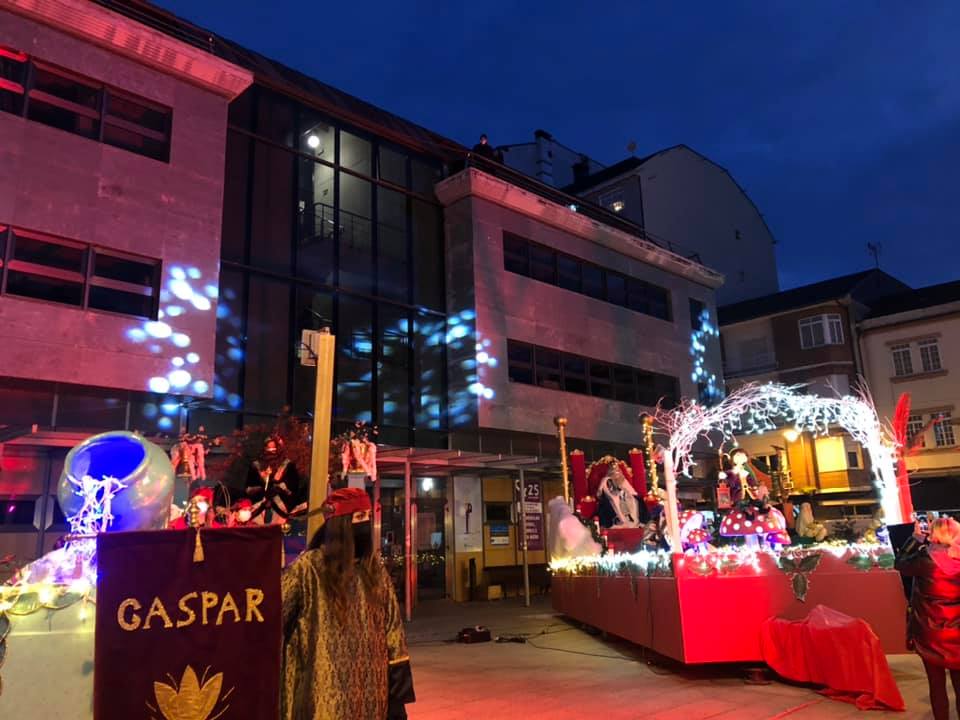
(756, 408)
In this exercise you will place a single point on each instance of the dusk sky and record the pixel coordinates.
(840, 119)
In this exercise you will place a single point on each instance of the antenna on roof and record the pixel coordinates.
(632, 147)
(875, 249)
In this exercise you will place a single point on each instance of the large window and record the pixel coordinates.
(915, 431)
(902, 362)
(328, 226)
(545, 264)
(534, 365)
(821, 330)
(929, 355)
(62, 99)
(943, 430)
(43, 267)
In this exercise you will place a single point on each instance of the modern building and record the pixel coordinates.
(112, 140)
(681, 198)
(808, 336)
(218, 204)
(910, 343)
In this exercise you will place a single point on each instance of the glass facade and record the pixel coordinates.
(326, 226)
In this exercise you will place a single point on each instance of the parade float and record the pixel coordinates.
(126, 618)
(637, 566)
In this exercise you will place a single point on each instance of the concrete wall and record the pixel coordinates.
(512, 306)
(697, 206)
(63, 184)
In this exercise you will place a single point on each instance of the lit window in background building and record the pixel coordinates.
(943, 430)
(613, 200)
(821, 330)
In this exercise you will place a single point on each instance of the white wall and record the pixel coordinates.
(696, 206)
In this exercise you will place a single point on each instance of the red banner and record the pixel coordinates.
(183, 640)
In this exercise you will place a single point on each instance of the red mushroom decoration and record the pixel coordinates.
(778, 539)
(697, 539)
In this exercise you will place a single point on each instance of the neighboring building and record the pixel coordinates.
(682, 199)
(464, 324)
(549, 161)
(573, 313)
(807, 336)
(112, 140)
(910, 343)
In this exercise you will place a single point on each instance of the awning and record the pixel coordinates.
(448, 461)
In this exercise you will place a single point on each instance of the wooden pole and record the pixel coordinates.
(561, 423)
(407, 542)
(324, 349)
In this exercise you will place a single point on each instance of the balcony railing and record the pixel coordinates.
(582, 206)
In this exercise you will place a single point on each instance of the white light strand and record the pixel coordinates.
(756, 408)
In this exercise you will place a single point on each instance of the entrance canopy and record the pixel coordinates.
(439, 462)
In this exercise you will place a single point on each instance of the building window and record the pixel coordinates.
(902, 362)
(943, 430)
(821, 330)
(539, 262)
(82, 106)
(853, 459)
(52, 269)
(915, 431)
(613, 200)
(534, 365)
(929, 355)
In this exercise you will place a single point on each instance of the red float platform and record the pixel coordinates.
(702, 615)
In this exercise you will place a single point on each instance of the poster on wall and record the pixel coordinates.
(533, 510)
(468, 521)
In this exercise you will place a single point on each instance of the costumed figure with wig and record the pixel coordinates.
(344, 649)
(619, 503)
(752, 517)
(274, 487)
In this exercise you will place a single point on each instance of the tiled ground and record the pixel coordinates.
(567, 673)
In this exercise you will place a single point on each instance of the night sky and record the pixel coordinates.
(840, 119)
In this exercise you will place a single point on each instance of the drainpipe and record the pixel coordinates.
(848, 303)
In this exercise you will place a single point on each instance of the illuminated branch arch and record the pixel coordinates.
(756, 408)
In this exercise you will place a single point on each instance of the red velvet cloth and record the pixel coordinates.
(624, 539)
(578, 468)
(835, 650)
(639, 472)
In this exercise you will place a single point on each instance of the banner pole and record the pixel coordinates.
(322, 408)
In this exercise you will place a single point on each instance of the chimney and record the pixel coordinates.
(543, 167)
(581, 169)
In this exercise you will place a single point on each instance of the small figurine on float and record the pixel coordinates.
(808, 529)
(693, 535)
(877, 533)
(619, 503)
(752, 517)
(273, 486)
(200, 511)
(241, 514)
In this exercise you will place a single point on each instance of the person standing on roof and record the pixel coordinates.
(484, 148)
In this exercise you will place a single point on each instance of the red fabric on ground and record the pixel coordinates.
(835, 650)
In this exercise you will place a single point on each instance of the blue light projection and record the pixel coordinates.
(178, 298)
(699, 338)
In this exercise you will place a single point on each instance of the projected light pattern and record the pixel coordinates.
(700, 374)
(183, 295)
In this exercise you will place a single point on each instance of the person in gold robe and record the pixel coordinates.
(344, 652)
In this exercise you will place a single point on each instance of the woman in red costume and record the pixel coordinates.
(935, 606)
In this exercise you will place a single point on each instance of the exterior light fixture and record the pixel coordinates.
(426, 484)
(313, 141)
(791, 435)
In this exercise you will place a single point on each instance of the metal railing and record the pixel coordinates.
(581, 205)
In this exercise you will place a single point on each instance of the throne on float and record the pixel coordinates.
(586, 488)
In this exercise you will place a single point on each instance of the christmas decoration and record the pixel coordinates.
(357, 450)
(756, 408)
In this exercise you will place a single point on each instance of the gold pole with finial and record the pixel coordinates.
(561, 423)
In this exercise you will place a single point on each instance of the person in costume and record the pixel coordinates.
(202, 500)
(619, 504)
(241, 514)
(344, 650)
(934, 565)
(273, 486)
